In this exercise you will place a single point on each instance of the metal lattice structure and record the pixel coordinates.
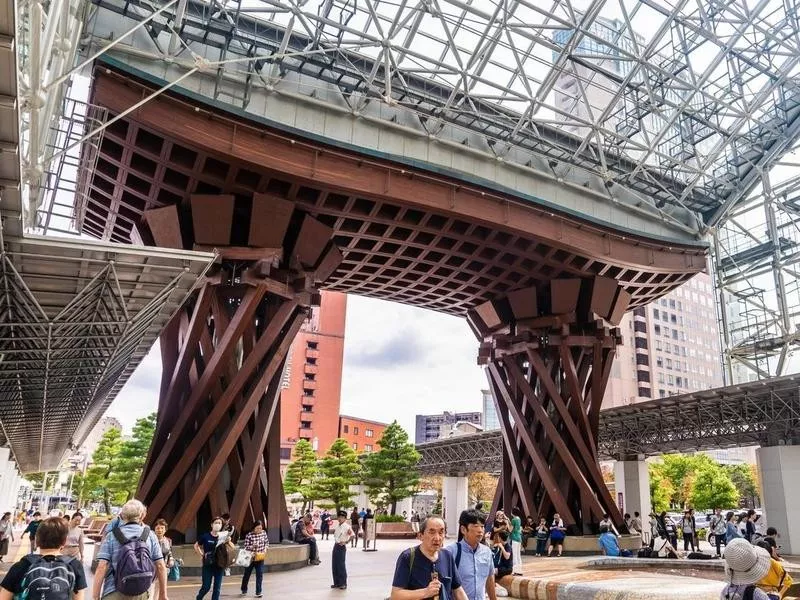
(680, 111)
(76, 319)
(763, 413)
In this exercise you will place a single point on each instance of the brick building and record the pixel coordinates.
(312, 385)
(361, 434)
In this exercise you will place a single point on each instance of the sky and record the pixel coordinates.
(399, 361)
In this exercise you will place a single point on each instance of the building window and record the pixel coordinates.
(310, 377)
(655, 313)
(346, 428)
(312, 345)
(669, 363)
(659, 362)
(307, 392)
(658, 344)
(662, 394)
(367, 447)
(355, 446)
(672, 303)
(305, 424)
(355, 430)
(311, 361)
(657, 329)
(307, 408)
(286, 453)
(368, 432)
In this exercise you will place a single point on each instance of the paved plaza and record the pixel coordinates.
(370, 574)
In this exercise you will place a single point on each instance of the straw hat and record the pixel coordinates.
(745, 563)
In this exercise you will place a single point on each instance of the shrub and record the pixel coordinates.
(389, 519)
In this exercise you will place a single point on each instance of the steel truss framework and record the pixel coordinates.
(765, 413)
(687, 107)
(76, 319)
(680, 104)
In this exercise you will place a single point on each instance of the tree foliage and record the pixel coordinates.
(302, 474)
(712, 488)
(661, 489)
(101, 478)
(390, 473)
(339, 469)
(681, 480)
(133, 454)
(117, 465)
(744, 478)
(482, 487)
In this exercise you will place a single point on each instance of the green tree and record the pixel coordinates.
(100, 481)
(712, 488)
(132, 456)
(744, 479)
(391, 473)
(339, 469)
(661, 489)
(302, 474)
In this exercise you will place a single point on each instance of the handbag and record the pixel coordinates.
(259, 556)
(174, 573)
(244, 558)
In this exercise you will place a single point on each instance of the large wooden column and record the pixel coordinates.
(216, 446)
(548, 353)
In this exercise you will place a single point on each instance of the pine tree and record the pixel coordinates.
(100, 478)
(302, 474)
(340, 468)
(391, 473)
(132, 456)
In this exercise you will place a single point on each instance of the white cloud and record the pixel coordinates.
(398, 361)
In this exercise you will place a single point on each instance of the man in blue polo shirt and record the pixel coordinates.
(474, 561)
(131, 516)
(427, 570)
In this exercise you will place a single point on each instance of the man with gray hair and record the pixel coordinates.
(126, 554)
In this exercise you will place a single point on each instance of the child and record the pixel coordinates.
(542, 533)
(51, 536)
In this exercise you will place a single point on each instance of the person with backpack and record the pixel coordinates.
(474, 560)
(718, 529)
(130, 559)
(427, 570)
(745, 565)
(213, 570)
(45, 571)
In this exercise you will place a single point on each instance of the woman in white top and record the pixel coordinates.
(74, 545)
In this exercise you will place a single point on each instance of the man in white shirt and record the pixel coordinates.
(341, 537)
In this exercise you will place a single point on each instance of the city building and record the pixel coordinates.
(490, 420)
(312, 382)
(96, 434)
(361, 434)
(429, 427)
(670, 347)
(459, 428)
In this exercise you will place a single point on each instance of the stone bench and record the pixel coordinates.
(395, 531)
(280, 557)
(587, 544)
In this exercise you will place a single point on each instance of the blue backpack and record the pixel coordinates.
(134, 570)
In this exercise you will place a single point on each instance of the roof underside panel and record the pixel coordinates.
(76, 320)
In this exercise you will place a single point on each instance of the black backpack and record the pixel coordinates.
(47, 579)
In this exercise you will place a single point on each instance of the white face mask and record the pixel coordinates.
(216, 527)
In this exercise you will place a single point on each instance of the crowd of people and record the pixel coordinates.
(134, 563)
